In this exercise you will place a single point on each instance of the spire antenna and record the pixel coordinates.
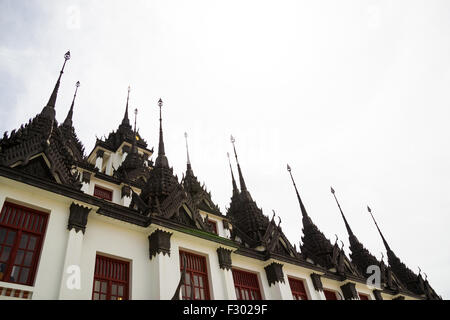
(125, 120)
(135, 117)
(68, 121)
(235, 189)
(241, 177)
(49, 109)
(187, 150)
(349, 230)
(379, 231)
(302, 207)
(161, 150)
(161, 160)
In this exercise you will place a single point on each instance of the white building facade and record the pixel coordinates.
(115, 225)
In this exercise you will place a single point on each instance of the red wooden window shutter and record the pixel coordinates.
(22, 233)
(330, 295)
(298, 289)
(246, 285)
(111, 279)
(363, 296)
(196, 281)
(102, 193)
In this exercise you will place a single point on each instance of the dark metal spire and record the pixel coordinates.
(49, 109)
(379, 231)
(244, 190)
(68, 121)
(125, 120)
(302, 207)
(315, 245)
(134, 147)
(161, 160)
(235, 188)
(187, 152)
(349, 230)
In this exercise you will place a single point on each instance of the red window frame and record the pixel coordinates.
(246, 285)
(22, 232)
(213, 224)
(363, 296)
(103, 193)
(330, 295)
(111, 279)
(298, 289)
(196, 276)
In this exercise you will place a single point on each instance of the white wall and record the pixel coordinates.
(150, 279)
(121, 241)
(49, 270)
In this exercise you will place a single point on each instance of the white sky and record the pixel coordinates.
(352, 94)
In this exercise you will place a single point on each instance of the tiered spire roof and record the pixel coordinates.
(124, 133)
(49, 109)
(134, 168)
(413, 282)
(315, 245)
(200, 196)
(71, 140)
(245, 213)
(359, 254)
(26, 148)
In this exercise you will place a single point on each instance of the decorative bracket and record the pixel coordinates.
(377, 294)
(349, 291)
(78, 217)
(159, 241)
(126, 191)
(317, 282)
(100, 153)
(224, 258)
(274, 273)
(86, 177)
(126, 149)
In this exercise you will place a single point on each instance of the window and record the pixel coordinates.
(213, 224)
(196, 277)
(102, 193)
(363, 296)
(111, 279)
(246, 285)
(22, 232)
(298, 289)
(330, 295)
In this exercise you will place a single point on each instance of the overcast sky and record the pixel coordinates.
(352, 94)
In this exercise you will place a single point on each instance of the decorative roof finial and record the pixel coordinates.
(161, 160)
(379, 231)
(49, 109)
(235, 189)
(125, 120)
(135, 117)
(349, 230)
(241, 178)
(134, 149)
(187, 152)
(302, 207)
(68, 121)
